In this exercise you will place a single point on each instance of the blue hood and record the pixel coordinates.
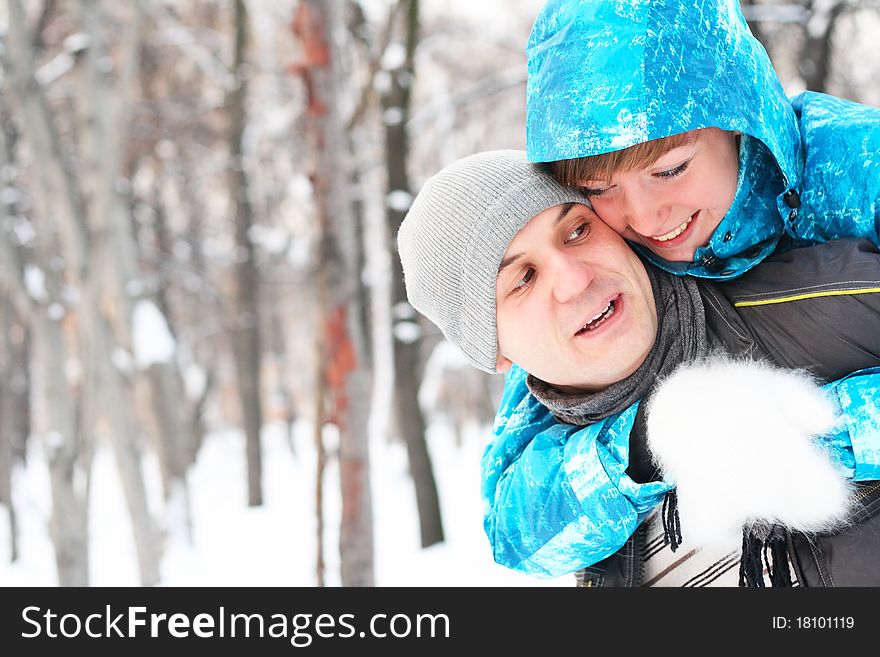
(605, 75)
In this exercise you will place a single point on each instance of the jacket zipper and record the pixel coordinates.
(866, 490)
(640, 555)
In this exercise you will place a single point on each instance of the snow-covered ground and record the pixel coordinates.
(273, 545)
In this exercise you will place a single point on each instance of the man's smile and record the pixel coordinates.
(602, 318)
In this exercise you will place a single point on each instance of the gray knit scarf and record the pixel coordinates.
(681, 337)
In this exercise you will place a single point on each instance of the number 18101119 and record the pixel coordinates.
(825, 622)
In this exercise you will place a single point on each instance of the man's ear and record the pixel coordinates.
(502, 364)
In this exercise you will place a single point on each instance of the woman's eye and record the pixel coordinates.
(592, 192)
(525, 280)
(577, 232)
(675, 171)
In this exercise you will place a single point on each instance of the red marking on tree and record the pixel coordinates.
(340, 363)
(311, 32)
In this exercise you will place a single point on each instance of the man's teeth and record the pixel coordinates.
(599, 319)
(674, 233)
(604, 310)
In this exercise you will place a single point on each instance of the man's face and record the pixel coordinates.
(574, 304)
(674, 205)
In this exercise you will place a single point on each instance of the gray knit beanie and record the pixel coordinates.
(454, 236)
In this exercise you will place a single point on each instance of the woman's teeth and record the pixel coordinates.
(675, 233)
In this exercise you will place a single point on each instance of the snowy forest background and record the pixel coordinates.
(210, 375)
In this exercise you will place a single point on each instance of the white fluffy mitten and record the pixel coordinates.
(736, 437)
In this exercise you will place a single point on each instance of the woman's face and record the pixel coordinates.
(674, 205)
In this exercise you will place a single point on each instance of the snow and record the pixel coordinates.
(392, 116)
(403, 310)
(55, 312)
(271, 239)
(134, 287)
(194, 380)
(399, 200)
(23, 229)
(444, 357)
(394, 56)
(382, 82)
(407, 332)
(275, 544)
(77, 42)
(35, 283)
(121, 359)
(55, 68)
(151, 337)
(10, 195)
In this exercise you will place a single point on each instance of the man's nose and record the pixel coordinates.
(571, 277)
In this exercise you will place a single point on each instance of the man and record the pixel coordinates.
(491, 242)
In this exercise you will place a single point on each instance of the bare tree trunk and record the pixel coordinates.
(164, 388)
(246, 322)
(755, 25)
(7, 432)
(407, 349)
(163, 248)
(203, 352)
(815, 60)
(18, 348)
(97, 248)
(55, 179)
(282, 389)
(174, 448)
(177, 416)
(321, 460)
(19, 388)
(115, 395)
(69, 477)
(320, 26)
(106, 111)
(10, 355)
(69, 463)
(45, 14)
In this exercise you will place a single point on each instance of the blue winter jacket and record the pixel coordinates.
(607, 75)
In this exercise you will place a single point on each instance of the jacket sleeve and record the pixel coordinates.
(855, 442)
(556, 497)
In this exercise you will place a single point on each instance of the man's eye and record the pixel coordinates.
(525, 280)
(674, 171)
(578, 232)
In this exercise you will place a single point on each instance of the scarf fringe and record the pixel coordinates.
(758, 552)
(671, 521)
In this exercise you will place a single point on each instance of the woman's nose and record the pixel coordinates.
(641, 211)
